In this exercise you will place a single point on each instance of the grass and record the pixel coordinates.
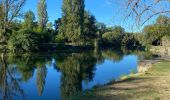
(154, 85)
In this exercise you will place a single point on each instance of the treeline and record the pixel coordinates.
(24, 34)
(156, 33)
(77, 27)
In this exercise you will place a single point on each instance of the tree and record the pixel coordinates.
(42, 14)
(9, 10)
(1, 17)
(111, 39)
(156, 31)
(144, 10)
(49, 26)
(90, 28)
(57, 24)
(72, 20)
(130, 41)
(29, 18)
(23, 40)
(114, 36)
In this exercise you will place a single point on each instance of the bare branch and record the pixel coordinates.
(139, 8)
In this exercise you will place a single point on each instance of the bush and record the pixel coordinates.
(60, 38)
(25, 40)
(112, 38)
(129, 41)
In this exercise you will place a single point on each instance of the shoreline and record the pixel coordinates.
(149, 85)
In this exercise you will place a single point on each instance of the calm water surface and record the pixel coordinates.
(60, 76)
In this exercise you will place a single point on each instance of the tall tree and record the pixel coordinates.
(9, 10)
(72, 21)
(29, 18)
(42, 14)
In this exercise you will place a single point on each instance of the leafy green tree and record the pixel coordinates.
(72, 20)
(130, 41)
(90, 28)
(114, 36)
(155, 32)
(29, 19)
(101, 27)
(49, 26)
(57, 25)
(42, 14)
(9, 10)
(24, 40)
(111, 39)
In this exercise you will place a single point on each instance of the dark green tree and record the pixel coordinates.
(23, 40)
(90, 28)
(113, 36)
(72, 20)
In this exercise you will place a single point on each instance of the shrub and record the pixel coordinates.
(25, 40)
(112, 38)
(60, 38)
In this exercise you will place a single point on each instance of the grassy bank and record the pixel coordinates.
(154, 85)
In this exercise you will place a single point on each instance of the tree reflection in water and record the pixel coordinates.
(9, 83)
(75, 68)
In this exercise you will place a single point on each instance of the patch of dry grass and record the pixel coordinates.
(154, 85)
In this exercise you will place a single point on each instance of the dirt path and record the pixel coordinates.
(154, 85)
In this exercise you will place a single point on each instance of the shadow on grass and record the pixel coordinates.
(127, 89)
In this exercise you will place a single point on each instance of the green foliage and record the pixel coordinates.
(57, 25)
(129, 41)
(155, 32)
(42, 14)
(45, 36)
(60, 38)
(90, 28)
(72, 20)
(114, 36)
(29, 18)
(25, 40)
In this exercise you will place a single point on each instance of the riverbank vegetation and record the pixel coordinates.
(76, 28)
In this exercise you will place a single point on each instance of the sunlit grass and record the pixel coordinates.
(154, 85)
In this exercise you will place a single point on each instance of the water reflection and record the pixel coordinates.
(75, 68)
(9, 81)
(17, 70)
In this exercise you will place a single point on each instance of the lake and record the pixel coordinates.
(62, 75)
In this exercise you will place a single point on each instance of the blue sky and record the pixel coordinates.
(110, 12)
